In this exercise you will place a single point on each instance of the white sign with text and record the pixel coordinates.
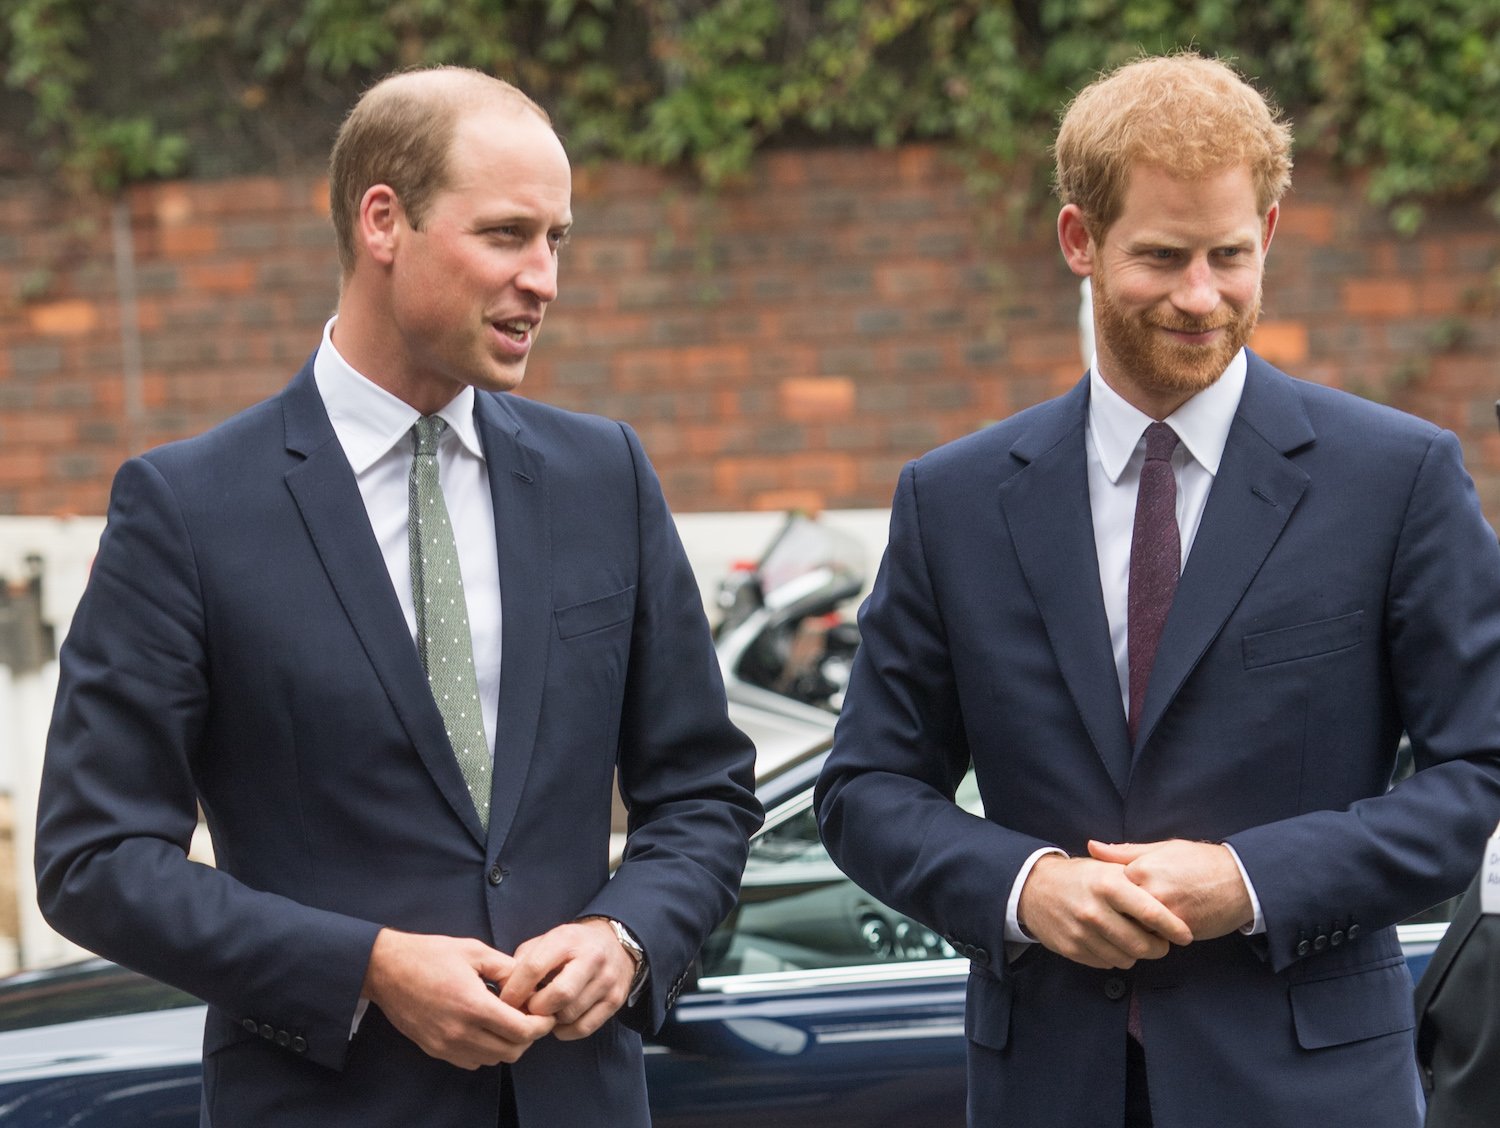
(1489, 889)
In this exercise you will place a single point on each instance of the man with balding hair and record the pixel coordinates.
(1177, 621)
(398, 633)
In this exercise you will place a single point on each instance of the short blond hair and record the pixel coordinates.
(1183, 113)
(400, 134)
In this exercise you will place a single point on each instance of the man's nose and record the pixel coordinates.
(1197, 293)
(538, 274)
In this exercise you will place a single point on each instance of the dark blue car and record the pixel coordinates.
(816, 1007)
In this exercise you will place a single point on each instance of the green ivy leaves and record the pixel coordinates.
(1408, 90)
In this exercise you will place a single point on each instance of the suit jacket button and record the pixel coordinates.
(1352, 932)
(1114, 987)
(250, 1024)
(496, 875)
(1320, 942)
(1303, 947)
(299, 1045)
(980, 956)
(283, 1039)
(268, 1032)
(1336, 937)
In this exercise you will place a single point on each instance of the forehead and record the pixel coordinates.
(505, 157)
(1156, 202)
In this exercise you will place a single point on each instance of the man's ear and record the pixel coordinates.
(1077, 243)
(1268, 227)
(379, 222)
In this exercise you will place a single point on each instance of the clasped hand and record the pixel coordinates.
(1132, 901)
(436, 990)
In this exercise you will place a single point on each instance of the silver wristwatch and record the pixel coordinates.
(633, 946)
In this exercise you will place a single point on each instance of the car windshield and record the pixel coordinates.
(798, 912)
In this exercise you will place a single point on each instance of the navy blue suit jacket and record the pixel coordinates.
(240, 645)
(1343, 586)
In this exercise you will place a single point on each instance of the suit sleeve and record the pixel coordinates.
(885, 798)
(118, 803)
(1387, 857)
(686, 773)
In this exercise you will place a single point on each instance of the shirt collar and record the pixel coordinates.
(368, 420)
(1202, 424)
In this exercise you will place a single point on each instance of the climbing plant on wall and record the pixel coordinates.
(1408, 90)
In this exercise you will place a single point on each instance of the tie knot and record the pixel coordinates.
(428, 430)
(1161, 441)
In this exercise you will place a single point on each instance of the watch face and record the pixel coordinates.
(627, 940)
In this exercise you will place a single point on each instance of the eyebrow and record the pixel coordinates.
(489, 223)
(1151, 242)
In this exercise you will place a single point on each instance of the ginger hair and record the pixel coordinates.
(1183, 113)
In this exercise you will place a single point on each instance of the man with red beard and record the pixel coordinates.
(1177, 621)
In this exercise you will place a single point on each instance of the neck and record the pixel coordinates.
(366, 338)
(1157, 403)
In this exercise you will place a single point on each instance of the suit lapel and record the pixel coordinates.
(333, 510)
(518, 490)
(1252, 498)
(1051, 525)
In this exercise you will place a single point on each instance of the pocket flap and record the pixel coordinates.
(1350, 1008)
(987, 1010)
(595, 614)
(1304, 641)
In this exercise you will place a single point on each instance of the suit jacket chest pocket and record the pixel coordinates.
(594, 615)
(1306, 640)
(593, 647)
(588, 664)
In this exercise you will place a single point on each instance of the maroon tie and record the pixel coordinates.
(1155, 557)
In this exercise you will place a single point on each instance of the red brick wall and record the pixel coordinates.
(787, 344)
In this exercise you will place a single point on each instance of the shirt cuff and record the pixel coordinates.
(1258, 925)
(1014, 933)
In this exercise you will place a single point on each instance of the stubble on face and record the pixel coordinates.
(1146, 355)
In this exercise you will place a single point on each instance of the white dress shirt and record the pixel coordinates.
(1115, 442)
(374, 428)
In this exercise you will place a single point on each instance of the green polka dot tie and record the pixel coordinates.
(437, 590)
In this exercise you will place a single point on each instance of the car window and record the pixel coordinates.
(798, 912)
(90, 990)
